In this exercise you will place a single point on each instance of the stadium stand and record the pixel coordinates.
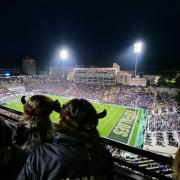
(161, 134)
(163, 113)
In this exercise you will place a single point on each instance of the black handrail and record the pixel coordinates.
(140, 169)
(157, 157)
(11, 110)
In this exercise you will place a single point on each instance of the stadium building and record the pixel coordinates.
(29, 66)
(100, 76)
(59, 70)
(104, 76)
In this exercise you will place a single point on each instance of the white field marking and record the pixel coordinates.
(91, 100)
(104, 124)
(112, 109)
(133, 126)
(116, 122)
(110, 104)
(109, 119)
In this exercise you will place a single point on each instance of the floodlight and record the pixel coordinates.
(63, 54)
(137, 50)
(137, 47)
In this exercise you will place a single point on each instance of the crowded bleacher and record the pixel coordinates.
(163, 113)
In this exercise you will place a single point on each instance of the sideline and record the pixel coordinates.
(137, 113)
(116, 123)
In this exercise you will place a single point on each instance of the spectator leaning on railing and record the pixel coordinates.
(76, 150)
(34, 129)
(37, 110)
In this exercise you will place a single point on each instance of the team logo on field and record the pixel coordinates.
(123, 127)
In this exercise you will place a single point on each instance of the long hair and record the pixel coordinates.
(176, 165)
(37, 110)
(80, 115)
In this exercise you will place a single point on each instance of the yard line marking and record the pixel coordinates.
(104, 124)
(116, 122)
(133, 126)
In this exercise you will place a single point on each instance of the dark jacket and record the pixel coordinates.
(65, 157)
(23, 137)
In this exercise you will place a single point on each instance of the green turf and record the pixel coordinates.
(105, 125)
(135, 130)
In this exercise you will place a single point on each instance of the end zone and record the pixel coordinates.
(124, 126)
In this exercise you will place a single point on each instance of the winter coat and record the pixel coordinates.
(65, 157)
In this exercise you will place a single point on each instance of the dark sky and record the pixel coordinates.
(96, 32)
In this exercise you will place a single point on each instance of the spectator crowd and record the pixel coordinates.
(163, 112)
(33, 135)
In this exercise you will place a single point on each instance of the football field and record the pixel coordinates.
(121, 123)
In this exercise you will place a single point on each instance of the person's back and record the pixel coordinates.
(76, 150)
(37, 110)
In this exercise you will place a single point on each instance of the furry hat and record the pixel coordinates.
(40, 105)
(80, 114)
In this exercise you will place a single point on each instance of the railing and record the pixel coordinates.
(11, 110)
(141, 161)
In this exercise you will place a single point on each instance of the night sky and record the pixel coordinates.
(95, 32)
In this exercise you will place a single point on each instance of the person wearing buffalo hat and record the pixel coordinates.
(76, 150)
(37, 110)
(33, 130)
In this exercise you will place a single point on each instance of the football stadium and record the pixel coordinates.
(141, 128)
(90, 90)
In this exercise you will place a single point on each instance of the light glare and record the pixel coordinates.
(7, 74)
(138, 47)
(63, 54)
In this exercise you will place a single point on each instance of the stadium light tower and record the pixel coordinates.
(63, 55)
(137, 51)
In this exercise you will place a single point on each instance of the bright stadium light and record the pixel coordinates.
(63, 54)
(137, 47)
(137, 50)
